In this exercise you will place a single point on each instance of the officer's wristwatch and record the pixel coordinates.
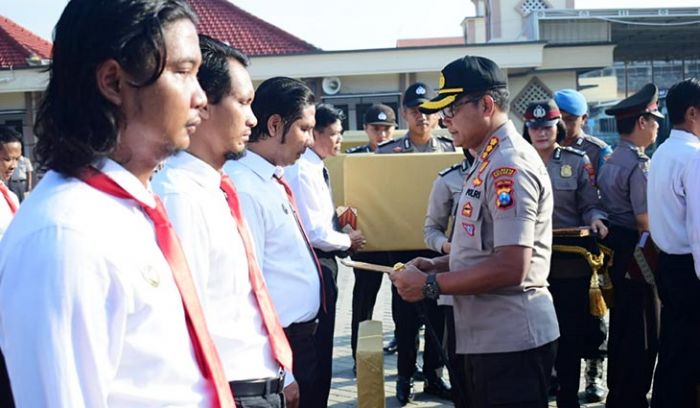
(431, 290)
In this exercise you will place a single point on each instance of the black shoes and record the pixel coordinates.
(391, 347)
(438, 387)
(404, 390)
(595, 393)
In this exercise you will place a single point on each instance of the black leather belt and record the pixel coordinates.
(257, 388)
(305, 329)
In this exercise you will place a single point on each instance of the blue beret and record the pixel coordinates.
(571, 102)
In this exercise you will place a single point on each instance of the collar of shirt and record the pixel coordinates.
(629, 145)
(502, 132)
(313, 158)
(684, 136)
(200, 171)
(126, 180)
(260, 166)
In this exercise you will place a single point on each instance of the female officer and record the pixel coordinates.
(576, 203)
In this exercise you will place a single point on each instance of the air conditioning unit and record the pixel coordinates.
(331, 85)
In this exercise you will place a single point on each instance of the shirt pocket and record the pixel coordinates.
(565, 183)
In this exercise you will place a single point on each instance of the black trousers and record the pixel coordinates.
(509, 380)
(633, 343)
(457, 376)
(306, 365)
(364, 293)
(326, 326)
(579, 333)
(408, 318)
(6, 399)
(678, 369)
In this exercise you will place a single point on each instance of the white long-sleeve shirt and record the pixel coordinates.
(197, 208)
(289, 269)
(315, 203)
(673, 195)
(89, 312)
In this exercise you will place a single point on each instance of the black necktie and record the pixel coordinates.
(327, 179)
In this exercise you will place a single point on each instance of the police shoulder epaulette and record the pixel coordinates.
(570, 149)
(595, 141)
(386, 142)
(445, 139)
(450, 169)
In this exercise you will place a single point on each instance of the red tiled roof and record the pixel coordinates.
(17, 44)
(427, 42)
(227, 22)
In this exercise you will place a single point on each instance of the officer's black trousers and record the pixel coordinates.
(573, 315)
(633, 343)
(457, 377)
(509, 380)
(364, 293)
(678, 369)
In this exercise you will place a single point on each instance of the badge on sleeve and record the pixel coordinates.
(566, 171)
(467, 210)
(469, 228)
(504, 194)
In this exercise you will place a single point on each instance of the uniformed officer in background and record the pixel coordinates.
(576, 204)
(574, 113)
(437, 232)
(499, 259)
(673, 194)
(379, 124)
(419, 138)
(633, 344)
(407, 317)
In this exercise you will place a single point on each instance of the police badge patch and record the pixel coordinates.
(566, 171)
(467, 210)
(504, 194)
(469, 228)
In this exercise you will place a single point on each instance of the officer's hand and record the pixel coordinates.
(446, 247)
(597, 227)
(409, 282)
(357, 240)
(424, 264)
(291, 395)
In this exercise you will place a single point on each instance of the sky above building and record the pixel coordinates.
(335, 25)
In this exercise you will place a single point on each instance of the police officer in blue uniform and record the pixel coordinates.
(633, 344)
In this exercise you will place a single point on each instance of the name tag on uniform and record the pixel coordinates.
(474, 193)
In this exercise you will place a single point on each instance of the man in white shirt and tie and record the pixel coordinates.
(285, 111)
(97, 305)
(192, 189)
(310, 182)
(673, 197)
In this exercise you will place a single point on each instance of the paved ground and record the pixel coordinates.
(344, 390)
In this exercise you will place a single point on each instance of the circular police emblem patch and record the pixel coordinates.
(420, 91)
(381, 116)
